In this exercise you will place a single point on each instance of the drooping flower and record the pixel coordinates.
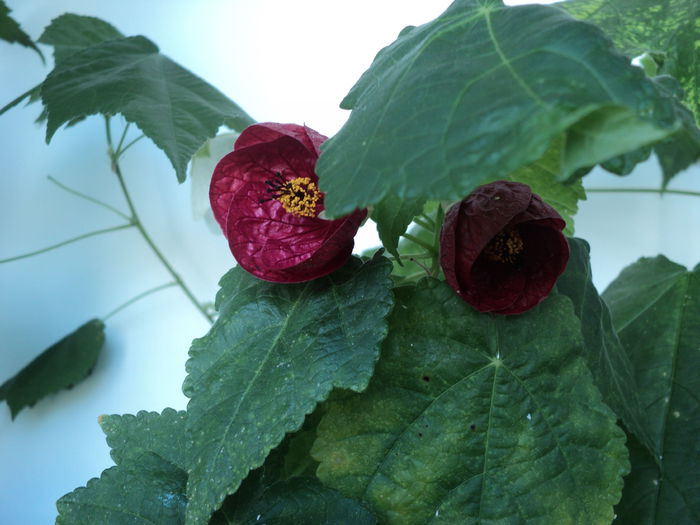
(265, 196)
(502, 248)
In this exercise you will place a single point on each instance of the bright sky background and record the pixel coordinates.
(282, 61)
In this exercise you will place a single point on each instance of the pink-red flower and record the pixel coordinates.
(502, 248)
(265, 197)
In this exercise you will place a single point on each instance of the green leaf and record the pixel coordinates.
(175, 109)
(543, 178)
(670, 28)
(143, 490)
(163, 434)
(63, 365)
(71, 33)
(275, 351)
(11, 32)
(299, 500)
(393, 216)
(480, 92)
(607, 133)
(474, 418)
(606, 357)
(655, 306)
(681, 149)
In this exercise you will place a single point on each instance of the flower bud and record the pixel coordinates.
(502, 248)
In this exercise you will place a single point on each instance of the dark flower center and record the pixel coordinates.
(298, 196)
(505, 247)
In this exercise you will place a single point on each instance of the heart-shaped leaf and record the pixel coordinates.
(475, 418)
(275, 351)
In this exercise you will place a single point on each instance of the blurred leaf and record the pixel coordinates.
(655, 306)
(201, 169)
(146, 489)
(480, 92)
(668, 27)
(163, 434)
(175, 109)
(543, 178)
(606, 358)
(475, 418)
(299, 500)
(275, 351)
(393, 216)
(11, 32)
(71, 33)
(61, 366)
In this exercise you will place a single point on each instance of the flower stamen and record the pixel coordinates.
(505, 247)
(298, 196)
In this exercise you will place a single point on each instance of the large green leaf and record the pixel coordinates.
(143, 490)
(275, 351)
(655, 306)
(298, 500)
(163, 434)
(542, 176)
(480, 92)
(175, 109)
(668, 28)
(474, 418)
(71, 33)
(10, 31)
(62, 365)
(606, 357)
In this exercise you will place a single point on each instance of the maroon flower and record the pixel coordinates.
(502, 249)
(265, 197)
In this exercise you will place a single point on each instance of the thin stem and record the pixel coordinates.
(420, 222)
(428, 219)
(410, 256)
(121, 151)
(69, 241)
(439, 219)
(643, 190)
(137, 222)
(419, 242)
(88, 198)
(139, 297)
(121, 139)
(425, 268)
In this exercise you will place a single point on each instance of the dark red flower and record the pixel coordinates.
(265, 197)
(502, 249)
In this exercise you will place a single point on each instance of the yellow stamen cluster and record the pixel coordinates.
(505, 247)
(299, 196)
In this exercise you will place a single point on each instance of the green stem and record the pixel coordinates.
(439, 219)
(121, 139)
(88, 198)
(643, 190)
(137, 222)
(121, 151)
(429, 220)
(69, 241)
(423, 224)
(138, 297)
(419, 242)
(410, 256)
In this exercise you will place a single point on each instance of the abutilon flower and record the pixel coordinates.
(265, 197)
(502, 248)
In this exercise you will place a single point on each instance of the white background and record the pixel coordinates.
(281, 61)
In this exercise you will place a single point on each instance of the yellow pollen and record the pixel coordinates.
(505, 247)
(299, 196)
